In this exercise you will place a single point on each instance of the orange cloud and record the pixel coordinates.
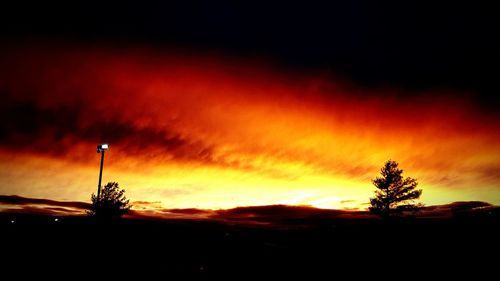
(202, 132)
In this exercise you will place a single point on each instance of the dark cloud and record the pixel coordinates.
(44, 211)
(466, 205)
(164, 213)
(64, 210)
(146, 203)
(189, 211)
(276, 213)
(29, 126)
(22, 201)
(456, 208)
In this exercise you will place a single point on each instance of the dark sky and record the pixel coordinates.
(415, 45)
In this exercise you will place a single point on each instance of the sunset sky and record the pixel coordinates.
(215, 111)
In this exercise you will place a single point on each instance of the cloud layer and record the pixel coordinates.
(205, 131)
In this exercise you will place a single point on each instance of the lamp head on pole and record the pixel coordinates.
(102, 147)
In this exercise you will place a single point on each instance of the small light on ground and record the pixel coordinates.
(56, 219)
(12, 221)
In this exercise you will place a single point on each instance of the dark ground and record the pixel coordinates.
(211, 249)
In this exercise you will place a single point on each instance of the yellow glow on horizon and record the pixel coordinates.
(192, 186)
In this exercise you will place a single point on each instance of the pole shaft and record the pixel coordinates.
(100, 177)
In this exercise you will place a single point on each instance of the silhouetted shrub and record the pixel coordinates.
(112, 202)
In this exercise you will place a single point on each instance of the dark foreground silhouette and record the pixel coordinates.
(322, 248)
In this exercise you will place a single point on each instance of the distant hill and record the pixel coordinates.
(13, 204)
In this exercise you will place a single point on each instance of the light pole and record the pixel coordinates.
(100, 149)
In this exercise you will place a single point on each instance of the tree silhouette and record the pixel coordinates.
(395, 195)
(112, 202)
